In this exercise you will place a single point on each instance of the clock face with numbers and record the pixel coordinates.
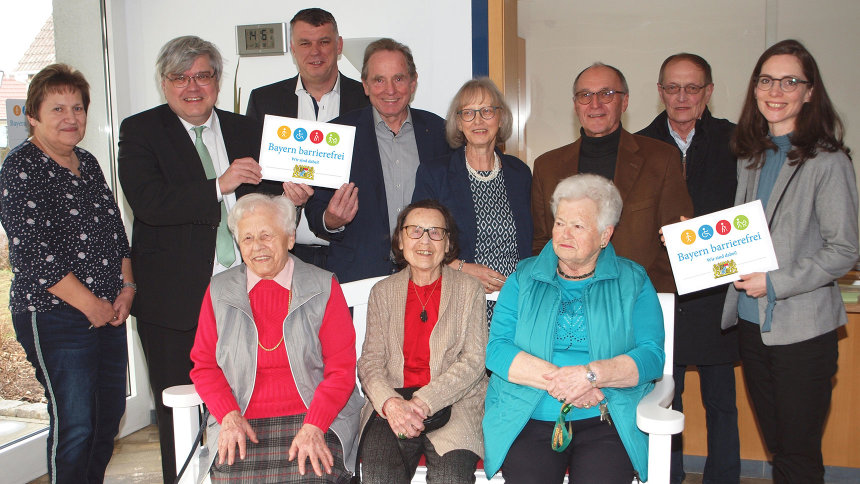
(260, 39)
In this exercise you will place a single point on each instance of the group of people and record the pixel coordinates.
(235, 280)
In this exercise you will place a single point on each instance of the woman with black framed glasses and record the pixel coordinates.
(488, 192)
(791, 157)
(422, 363)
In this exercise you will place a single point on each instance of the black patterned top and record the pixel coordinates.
(59, 223)
(496, 244)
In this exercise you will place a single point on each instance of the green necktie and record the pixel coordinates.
(224, 250)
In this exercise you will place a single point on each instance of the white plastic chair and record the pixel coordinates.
(653, 414)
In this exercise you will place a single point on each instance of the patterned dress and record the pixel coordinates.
(496, 243)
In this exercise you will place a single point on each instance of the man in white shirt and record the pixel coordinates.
(319, 93)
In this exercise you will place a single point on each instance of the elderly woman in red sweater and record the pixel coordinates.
(274, 358)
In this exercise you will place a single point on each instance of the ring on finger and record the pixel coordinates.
(587, 405)
(401, 436)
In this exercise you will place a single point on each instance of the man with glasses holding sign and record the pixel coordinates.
(182, 165)
(685, 86)
(647, 173)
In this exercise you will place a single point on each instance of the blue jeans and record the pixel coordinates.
(84, 374)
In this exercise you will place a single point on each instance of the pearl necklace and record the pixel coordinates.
(497, 167)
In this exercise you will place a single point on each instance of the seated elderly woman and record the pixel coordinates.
(422, 363)
(575, 343)
(274, 357)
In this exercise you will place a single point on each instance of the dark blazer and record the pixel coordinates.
(363, 248)
(711, 183)
(648, 175)
(176, 210)
(280, 98)
(446, 179)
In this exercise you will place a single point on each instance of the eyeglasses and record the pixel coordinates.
(675, 89)
(605, 96)
(787, 84)
(487, 112)
(417, 231)
(201, 78)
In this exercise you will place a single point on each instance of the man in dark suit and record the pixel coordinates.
(181, 166)
(391, 139)
(685, 86)
(646, 172)
(319, 93)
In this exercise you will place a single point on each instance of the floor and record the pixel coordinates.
(136, 460)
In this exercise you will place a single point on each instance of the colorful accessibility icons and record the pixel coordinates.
(316, 136)
(723, 227)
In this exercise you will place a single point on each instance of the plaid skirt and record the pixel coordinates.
(267, 462)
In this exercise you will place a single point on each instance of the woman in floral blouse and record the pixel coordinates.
(73, 287)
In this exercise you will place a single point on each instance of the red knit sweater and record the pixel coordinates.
(416, 333)
(275, 393)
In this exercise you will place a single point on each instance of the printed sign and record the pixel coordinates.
(17, 126)
(717, 248)
(318, 154)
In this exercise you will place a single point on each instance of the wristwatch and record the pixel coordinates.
(590, 376)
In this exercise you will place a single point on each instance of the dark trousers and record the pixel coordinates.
(312, 254)
(83, 371)
(790, 388)
(596, 455)
(387, 460)
(168, 361)
(723, 464)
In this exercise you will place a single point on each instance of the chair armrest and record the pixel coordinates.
(653, 415)
(181, 396)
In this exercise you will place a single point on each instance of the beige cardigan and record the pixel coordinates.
(458, 345)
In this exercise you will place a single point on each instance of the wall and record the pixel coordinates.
(433, 30)
(562, 38)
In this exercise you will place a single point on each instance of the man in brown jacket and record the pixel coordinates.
(647, 172)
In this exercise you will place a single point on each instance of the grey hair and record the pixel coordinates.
(390, 45)
(485, 88)
(178, 55)
(285, 211)
(612, 68)
(595, 187)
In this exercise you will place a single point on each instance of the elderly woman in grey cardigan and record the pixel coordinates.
(426, 331)
(274, 358)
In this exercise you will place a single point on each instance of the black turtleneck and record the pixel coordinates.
(598, 155)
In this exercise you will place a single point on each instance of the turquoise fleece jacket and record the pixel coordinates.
(623, 316)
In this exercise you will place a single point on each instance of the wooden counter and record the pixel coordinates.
(841, 443)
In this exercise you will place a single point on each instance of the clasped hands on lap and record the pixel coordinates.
(569, 385)
(406, 417)
(308, 444)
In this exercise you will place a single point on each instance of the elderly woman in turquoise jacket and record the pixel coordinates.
(575, 343)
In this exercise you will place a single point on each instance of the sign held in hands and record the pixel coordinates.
(301, 151)
(719, 247)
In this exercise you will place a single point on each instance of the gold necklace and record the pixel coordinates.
(260, 344)
(423, 315)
